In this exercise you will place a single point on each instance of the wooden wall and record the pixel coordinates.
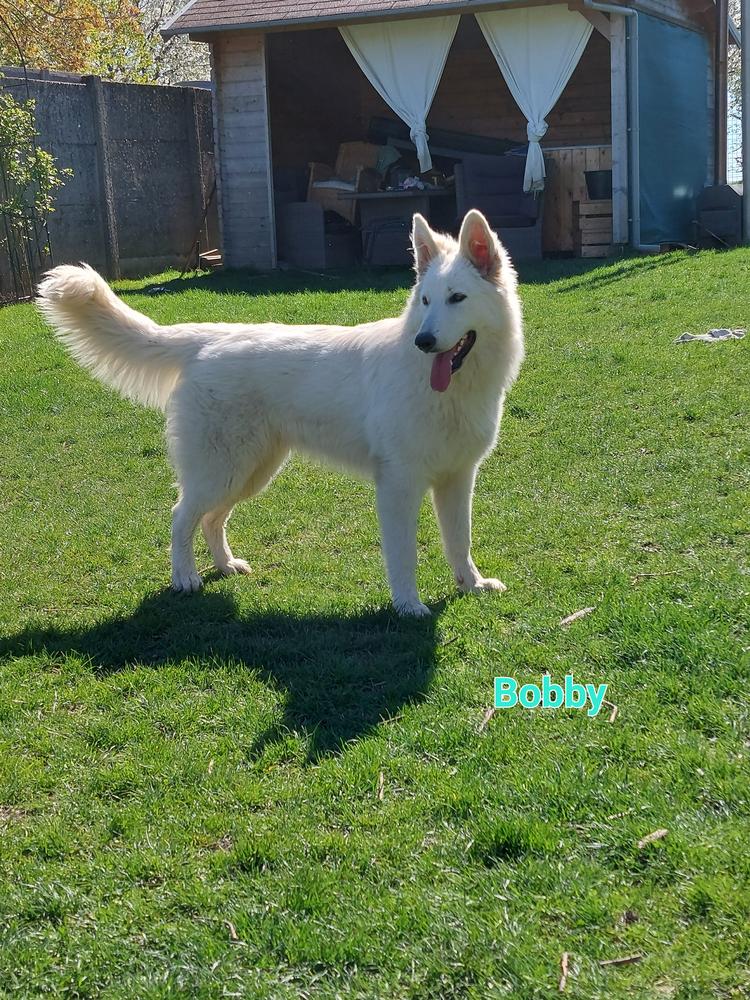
(241, 135)
(314, 91)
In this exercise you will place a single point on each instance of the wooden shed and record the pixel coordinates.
(298, 82)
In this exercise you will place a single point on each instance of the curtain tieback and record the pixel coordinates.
(536, 130)
(533, 178)
(418, 135)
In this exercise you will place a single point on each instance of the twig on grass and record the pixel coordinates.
(620, 815)
(563, 972)
(56, 609)
(381, 786)
(392, 718)
(569, 619)
(486, 719)
(233, 936)
(625, 960)
(651, 837)
(647, 576)
(615, 710)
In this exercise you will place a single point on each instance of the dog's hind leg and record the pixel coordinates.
(214, 522)
(214, 531)
(452, 499)
(220, 454)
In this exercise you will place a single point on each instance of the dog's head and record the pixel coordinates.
(465, 293)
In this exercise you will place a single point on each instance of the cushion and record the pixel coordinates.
(336, 184)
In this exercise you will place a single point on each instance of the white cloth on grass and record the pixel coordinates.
(723, 333)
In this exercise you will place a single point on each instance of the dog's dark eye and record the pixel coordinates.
(425, 300)
(456, 297)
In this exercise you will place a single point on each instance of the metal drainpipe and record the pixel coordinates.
(746, 120)
(634, 187)
(720, 91)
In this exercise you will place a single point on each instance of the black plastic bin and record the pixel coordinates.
(599, 184)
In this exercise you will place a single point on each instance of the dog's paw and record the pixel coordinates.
(236, 566)
(479, 584)
(186, 583)
(411, 609)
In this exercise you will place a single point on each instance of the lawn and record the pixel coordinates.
(278, 789)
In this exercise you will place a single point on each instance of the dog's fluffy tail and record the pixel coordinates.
(120, 346)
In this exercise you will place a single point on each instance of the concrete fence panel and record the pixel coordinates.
(143, 170)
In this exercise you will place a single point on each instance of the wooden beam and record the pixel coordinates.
(599, 20)
(619, 112)
(243, 151)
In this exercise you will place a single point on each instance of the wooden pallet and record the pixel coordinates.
(566, 183)
(592, 227)
(211, 259)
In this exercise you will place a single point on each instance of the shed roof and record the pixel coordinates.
(201, 16)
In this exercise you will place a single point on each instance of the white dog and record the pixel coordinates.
(413, 403)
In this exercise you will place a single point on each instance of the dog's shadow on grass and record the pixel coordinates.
(339, 676)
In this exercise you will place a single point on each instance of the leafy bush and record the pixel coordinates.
(29, 178)
(28, 175)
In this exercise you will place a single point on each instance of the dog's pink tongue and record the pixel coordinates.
(440, 377)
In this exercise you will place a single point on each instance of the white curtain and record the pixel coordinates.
(404, 61)
(537, 49)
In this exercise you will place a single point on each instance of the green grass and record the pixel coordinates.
(179, 772)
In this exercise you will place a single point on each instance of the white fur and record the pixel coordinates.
(240, 397)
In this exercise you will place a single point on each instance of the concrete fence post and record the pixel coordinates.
(196, 156)
(108, 218)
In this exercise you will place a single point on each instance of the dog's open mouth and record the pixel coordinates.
(448, 362)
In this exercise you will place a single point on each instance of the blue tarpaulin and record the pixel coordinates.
(673, 66)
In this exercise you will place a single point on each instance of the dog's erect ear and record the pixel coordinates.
(478, 244)
(423, 241)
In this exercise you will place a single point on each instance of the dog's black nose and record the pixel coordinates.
(425, 341)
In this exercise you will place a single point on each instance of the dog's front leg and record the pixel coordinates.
(452, 498)
(398, 507)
